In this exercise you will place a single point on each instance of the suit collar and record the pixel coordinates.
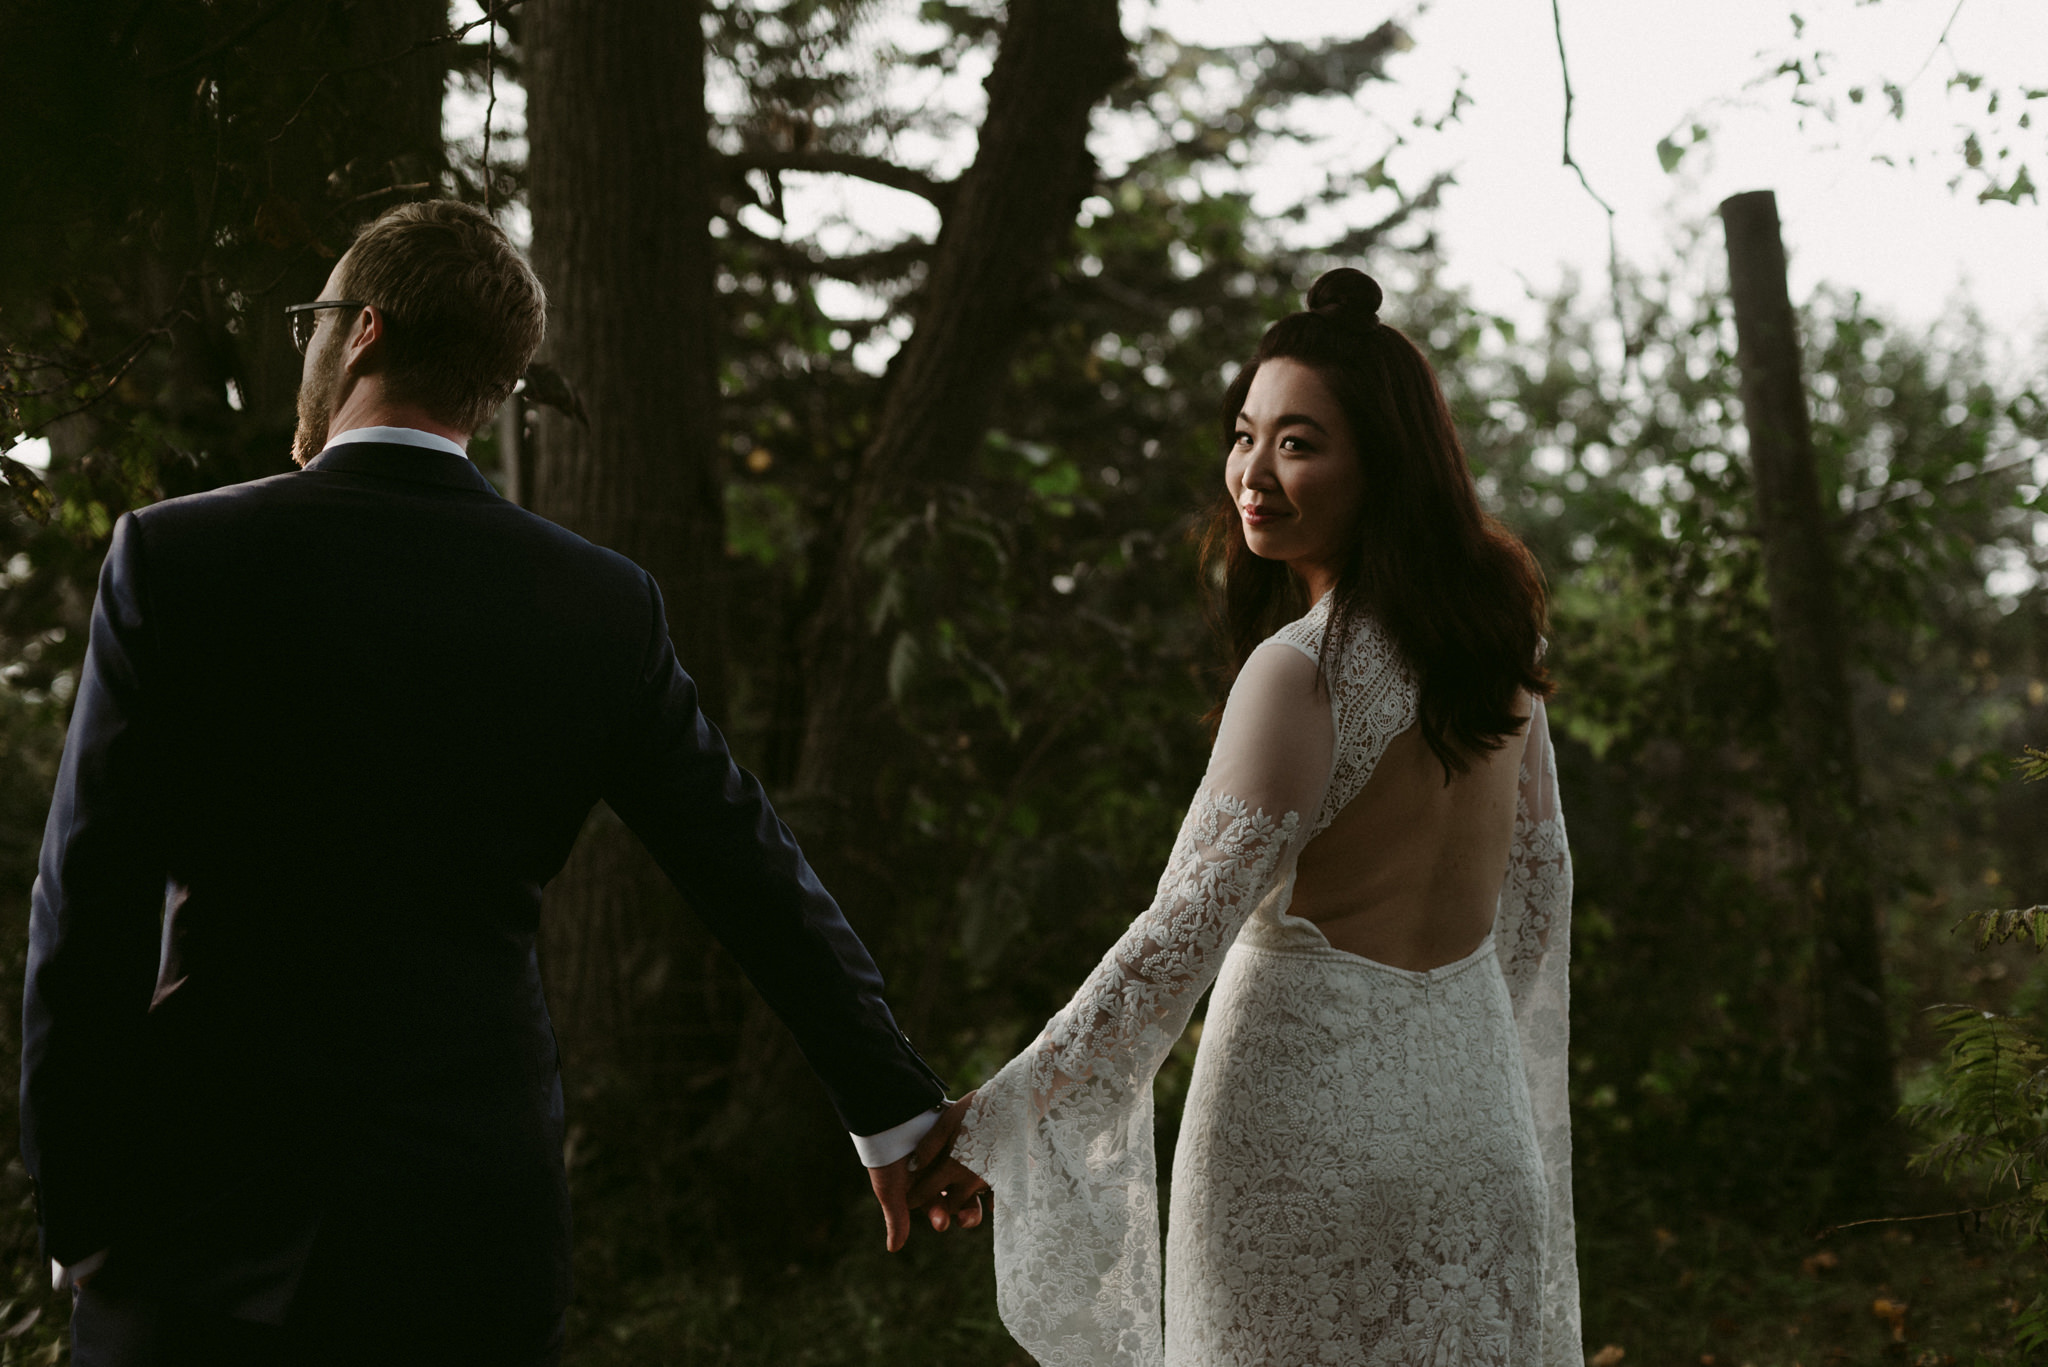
(389, 460)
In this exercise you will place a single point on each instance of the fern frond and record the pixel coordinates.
(1989, 1118)
(2026, 924)
(2030, 1327)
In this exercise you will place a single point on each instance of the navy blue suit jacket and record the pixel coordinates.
(335, 731)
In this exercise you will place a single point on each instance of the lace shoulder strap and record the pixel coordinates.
(1372, 698)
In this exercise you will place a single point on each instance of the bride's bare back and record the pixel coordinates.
(1409, 872)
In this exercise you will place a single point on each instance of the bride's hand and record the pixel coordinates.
(945, 1189)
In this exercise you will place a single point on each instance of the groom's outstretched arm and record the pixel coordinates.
(94, 927)
(710, 826)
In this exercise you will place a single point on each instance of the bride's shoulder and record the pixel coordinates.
(1359, 632)
(1305, 633)
(1363, 658)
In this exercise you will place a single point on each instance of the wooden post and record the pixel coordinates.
(1807, 624)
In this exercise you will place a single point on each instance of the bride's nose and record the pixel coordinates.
(1260, 473)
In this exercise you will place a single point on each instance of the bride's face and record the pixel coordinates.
(1293, 471)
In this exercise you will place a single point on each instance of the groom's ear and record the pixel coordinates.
(362, 351)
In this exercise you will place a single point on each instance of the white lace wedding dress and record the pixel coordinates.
(1374, 1164)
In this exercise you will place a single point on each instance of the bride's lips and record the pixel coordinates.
(1259, 517)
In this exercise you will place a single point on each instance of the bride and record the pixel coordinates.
(1374, 1165)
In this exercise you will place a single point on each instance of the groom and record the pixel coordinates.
(289, 1087)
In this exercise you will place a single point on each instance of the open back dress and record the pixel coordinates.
(1374, 1164)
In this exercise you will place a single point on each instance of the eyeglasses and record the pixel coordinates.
(304, 318)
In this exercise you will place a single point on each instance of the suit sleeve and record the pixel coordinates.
(94, 928)
(711, 828)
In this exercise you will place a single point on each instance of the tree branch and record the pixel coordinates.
(1870, 500)
(491, 89)
(1564, 69)
(1628, 347)
(1902, 1219)
(215, 49)
(1358, 240)
(122, 362)
(876, 169)
(860, 268)
(1939, 44)
(497, 12)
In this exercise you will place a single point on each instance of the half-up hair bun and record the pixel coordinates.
(1346, 296)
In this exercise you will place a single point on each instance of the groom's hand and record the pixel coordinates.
(946, 1191)
(892, 1184)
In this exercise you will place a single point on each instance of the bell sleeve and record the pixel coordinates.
(1063, 1133)
(1533, 929)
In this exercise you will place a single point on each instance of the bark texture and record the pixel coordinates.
(620, 174)
(1010, 213)
(621, 240)
(1006, 220)
(1812, 667)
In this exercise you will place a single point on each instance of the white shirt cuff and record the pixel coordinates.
(63, 1278)
(880, 1150)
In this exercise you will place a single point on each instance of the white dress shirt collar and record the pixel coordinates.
(400, 436)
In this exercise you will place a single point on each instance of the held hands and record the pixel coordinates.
(891, 1185)
(945, 1190)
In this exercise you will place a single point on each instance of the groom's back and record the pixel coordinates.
(385, 697)
(384, 686)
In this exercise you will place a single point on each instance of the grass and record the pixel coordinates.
(1704, 1293)
(1929, 1293)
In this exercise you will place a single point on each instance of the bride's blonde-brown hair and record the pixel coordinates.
(1458, 593)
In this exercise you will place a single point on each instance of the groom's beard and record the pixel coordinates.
(317, 393)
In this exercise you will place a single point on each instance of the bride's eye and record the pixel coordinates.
(1243, 439)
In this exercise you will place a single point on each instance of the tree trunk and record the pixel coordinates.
(621, 240)
(619, 180)
(1807, 624)
(1010, 215)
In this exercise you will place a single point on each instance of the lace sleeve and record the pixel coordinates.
(1533, 929)
(1063, 1133)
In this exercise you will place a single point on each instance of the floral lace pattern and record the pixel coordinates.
(1070, 1119)
(1534, 926)
(1374, 1164)
(1372, 699)
(1357, 1179)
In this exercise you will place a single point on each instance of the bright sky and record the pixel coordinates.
(1642, 69)
(1518, 220)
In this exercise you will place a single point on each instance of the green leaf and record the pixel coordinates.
(2020, 187)
(30, 493)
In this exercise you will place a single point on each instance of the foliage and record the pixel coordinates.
(1692, 997)
(1986, 1117)
(2022, 924)
(1998, 139)
(1046, 659)
(1991, 1115)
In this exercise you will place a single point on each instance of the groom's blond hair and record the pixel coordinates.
(464, 312)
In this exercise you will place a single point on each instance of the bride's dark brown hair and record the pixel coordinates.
(1458, 593)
